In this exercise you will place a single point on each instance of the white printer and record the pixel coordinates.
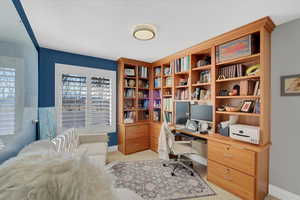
(245, 133)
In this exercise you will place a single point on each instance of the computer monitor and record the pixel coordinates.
(201, 112)
(182, 110)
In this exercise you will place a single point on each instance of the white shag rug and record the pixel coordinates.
(46, 175)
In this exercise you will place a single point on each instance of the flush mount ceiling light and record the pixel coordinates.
(144, 32)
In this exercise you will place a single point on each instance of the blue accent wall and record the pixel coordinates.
(47, 60)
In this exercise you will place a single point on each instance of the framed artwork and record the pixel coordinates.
(290, 85)
(247, 106)
(129, 72)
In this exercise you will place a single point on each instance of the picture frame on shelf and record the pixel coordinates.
(129, 72)
(247, 106)
(290, 85)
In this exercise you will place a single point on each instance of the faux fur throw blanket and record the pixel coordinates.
(52, 176)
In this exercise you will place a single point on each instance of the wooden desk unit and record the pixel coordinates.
(146, 90)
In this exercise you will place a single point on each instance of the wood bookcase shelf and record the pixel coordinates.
(144, 134)
(239, 78)
(243, 59)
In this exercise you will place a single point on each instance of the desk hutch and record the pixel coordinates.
(238, 167)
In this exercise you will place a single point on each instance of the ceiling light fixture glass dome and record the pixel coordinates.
(144, 32)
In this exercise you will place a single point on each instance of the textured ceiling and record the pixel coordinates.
(102, 28)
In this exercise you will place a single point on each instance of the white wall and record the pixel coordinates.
(285, 117)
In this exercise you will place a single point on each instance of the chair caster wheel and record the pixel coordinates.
(172, 174)
(192, 174)
(164, 165)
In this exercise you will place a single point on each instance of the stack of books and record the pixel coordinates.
(182, 94)
(181, 64)
(231, 71)
(157, 83)
(169, 82)
(143, 72)
(168, 104)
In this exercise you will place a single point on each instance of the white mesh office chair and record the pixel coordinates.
(180, 149)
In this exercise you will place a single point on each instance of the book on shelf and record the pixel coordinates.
(181, 64)
(167, 71)
(143, 115)
(168, 104)
(169, 81)
(256, 91)
(157, 71)
(156, 115)
(256, 108)
(182, 94)
(205, 76)
(128, 104)
(129, 93)
(157, 82)
(143, 72)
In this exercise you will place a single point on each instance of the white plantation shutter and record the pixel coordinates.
(99, 113)
(74, 96)
(85, 98)
(7, 101)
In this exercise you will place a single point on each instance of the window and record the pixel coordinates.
(85, 98)
(7, 100)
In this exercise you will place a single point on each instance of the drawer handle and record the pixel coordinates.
(227, 178)
(228, 155)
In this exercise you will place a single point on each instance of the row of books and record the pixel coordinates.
(143, 115)
(169, 117)
(144, 104)
(157, 82)
(205, 76)
(129, 93)
(143, 72)
(181, 64)
(143, 94)
(202, 94)
(182, 94)
(256, 108)
(156, 115)
(169, 82)
(156, 94)
(156, 103)
(231, 71)
(168, 104)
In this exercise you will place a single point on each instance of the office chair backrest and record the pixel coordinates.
(170, 136)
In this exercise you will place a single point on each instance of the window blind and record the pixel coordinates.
(7, 100)
(100, 102)
(74, 101)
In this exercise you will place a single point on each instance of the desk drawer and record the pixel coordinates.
(237, 158)
(234, 181)
(137, 144)
(137, 131)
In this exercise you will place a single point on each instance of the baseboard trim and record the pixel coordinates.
(113, 148)
(282, 194)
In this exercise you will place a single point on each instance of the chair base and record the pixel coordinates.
(180, 162)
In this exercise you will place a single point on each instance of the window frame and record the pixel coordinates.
(88, 72)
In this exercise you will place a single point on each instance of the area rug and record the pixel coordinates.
(152, 181)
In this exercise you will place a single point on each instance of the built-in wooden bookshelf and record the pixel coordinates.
(197, 76)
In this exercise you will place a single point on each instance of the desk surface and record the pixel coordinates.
(225, 140)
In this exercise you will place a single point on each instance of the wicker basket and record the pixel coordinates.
(232, 109)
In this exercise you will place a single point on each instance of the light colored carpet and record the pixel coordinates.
(150, 155)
